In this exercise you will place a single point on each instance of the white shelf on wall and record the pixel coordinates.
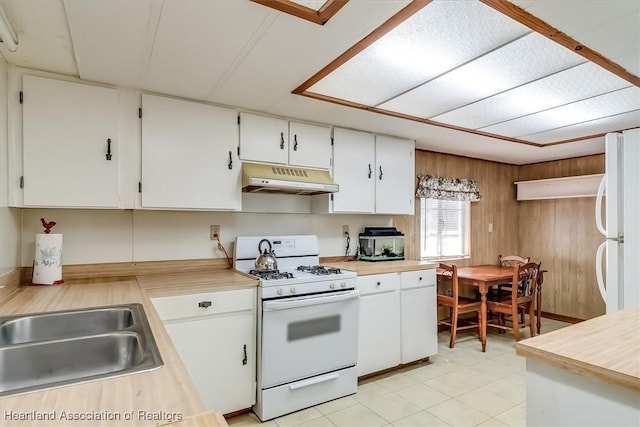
(559, 188)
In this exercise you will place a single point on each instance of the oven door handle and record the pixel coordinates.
(313, 381)
(304, 302)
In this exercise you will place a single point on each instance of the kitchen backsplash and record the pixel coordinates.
(102, 236)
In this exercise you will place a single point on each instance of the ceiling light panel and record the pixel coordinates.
(593, 127)
(523, 60)
(571, 85)
(441, 36)
(311, 4)
(617, 102)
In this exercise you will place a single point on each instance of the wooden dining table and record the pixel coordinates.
(483, 277)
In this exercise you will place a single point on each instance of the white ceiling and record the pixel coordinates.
(242, 54)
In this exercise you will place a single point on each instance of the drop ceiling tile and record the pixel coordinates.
(441, 36)
(593, 127)
(44, 42)
(576, 18)
(610, 27)
(197, 41)
(279, 61)
(617, 40)
(110, 39)
(576, 83)
(526, 59)
(617, 102)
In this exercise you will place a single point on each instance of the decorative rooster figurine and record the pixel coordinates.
(47, 225)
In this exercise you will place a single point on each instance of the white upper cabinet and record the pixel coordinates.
(374, 173)
(70, 144)
(395, 166)
(309, 145)
(189, 155)
(272, 140)
(353, 170)
(264, 139)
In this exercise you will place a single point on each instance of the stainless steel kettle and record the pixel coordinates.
(266, 259)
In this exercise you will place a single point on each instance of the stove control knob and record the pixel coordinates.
(343, 284)
(293, 290)
(280, 291)
(332, 285)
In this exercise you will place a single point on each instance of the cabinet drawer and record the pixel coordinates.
(417, 279)
(378, 283)
(194, 305)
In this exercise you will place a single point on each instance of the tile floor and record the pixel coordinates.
(457, 387)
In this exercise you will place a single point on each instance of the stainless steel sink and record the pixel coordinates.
(45, 350)
(63, 324)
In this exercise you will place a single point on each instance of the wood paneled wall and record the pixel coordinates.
(498, 206)
(559, 233)
(562, 234)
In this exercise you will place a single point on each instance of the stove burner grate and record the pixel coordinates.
(271, 274)
(319, 270)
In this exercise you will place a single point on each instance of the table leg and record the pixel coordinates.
(483, 316)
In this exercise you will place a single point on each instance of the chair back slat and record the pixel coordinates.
(511, 260)
(526, 276)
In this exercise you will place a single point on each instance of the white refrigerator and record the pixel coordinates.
(619, 283)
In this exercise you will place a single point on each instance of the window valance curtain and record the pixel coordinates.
(445, 188)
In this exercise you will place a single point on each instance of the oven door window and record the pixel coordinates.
(313, 328)
(307, 336)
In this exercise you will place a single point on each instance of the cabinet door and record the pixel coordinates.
(309, 145)
(394, 173)
(68, 129)
(264, 139)
(354, 171)
(189, 155)
(219, 354)
(418, 324)
(379, 334)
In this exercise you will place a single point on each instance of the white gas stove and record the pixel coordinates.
(299, 272)
(307, 326)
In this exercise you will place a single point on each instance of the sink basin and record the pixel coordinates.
(64, 324)
(45, 350)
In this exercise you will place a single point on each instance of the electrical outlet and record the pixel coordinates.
(490, 227)
(345, 230)
(215, 232)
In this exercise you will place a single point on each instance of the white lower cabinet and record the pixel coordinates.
(214, 334)
(398, 322)
(379, 337)
(418, 306)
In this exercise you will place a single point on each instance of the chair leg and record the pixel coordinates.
(454, 328)
(532, 327)
(515, 320)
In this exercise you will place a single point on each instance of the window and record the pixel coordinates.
(444, 228)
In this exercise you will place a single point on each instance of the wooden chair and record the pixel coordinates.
(509, 261)
(522, 296)
(504, 289)
(457, 305)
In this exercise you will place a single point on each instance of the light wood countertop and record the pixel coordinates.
(152, 398)
(364, 268)
(167, 284)
(606, 348)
